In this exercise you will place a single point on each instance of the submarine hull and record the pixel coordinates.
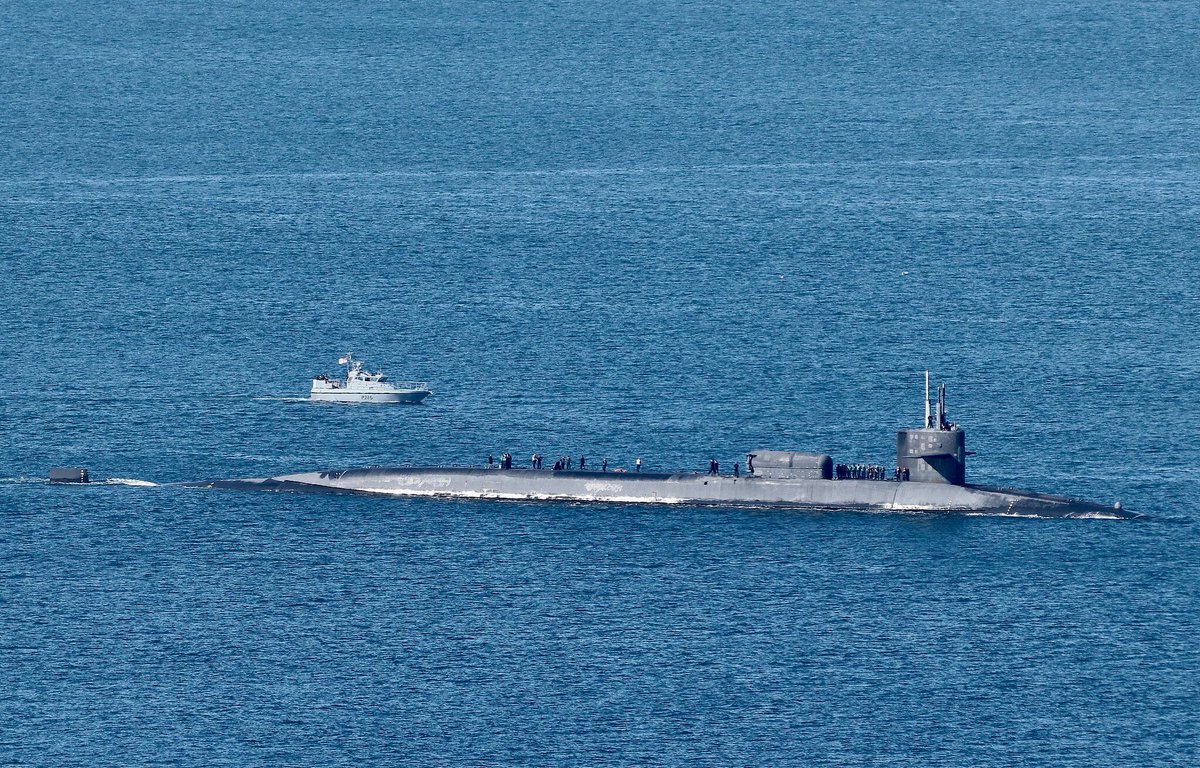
(679, 488)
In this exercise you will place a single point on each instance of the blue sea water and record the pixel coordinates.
(667, 230)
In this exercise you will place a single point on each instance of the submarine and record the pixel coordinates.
(930, 476)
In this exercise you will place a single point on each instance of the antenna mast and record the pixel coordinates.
(928, 421)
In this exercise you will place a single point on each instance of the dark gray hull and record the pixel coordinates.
(683, 488)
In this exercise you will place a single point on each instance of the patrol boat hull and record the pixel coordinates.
(352, 396)
(679, 488)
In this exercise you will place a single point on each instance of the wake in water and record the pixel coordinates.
(22, 480)
(1093, 515)
(283, 399)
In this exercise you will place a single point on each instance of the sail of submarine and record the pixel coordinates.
(930, 476)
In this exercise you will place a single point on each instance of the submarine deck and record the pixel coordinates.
(676, 488)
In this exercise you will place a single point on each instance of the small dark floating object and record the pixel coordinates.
(68, 475)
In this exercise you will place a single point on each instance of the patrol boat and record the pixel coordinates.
(359, 386)
(930, 476)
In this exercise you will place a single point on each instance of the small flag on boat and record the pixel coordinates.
(343, 360)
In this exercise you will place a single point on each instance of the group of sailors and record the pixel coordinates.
(860, 472)
(537, 461)
(505, 461)
(868, 472)
(714, 468)
(840, 472)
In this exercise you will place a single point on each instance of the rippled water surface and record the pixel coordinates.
(660, 230)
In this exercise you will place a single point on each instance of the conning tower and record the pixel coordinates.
(936, 453)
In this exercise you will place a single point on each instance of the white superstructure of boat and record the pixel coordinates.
(360, 386)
